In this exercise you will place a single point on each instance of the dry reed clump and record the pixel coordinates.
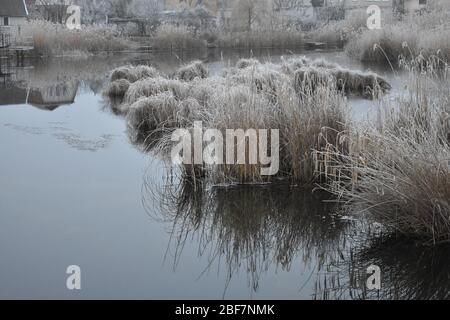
(301, 123)
(117, 89)
(366, 84)
(150, 120)
(195, 69)
(245, 63)
(322, 63)
(290, 65)
(133, 74)
(322, 72)
(149, 113)
(123, 77)
(316, 121)
(257, 97)
(159, 112)
(401, 174)
(203, 89)
(240, 106)
(264, 78)
(152, 86)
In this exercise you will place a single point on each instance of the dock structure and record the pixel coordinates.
(13, 48)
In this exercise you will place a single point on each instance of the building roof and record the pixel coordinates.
(13, 8)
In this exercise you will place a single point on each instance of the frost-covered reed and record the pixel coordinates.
(401, 172)
(414, 35)
(251, 96)
(195, 69)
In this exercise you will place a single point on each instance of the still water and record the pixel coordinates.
(75, 191)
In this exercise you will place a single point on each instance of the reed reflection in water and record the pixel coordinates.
(251, 228)
(254, 229)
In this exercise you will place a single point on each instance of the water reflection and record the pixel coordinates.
(254, 230)
(47, 97)
(51, 97)
(48, 84)
(408, 272)
(250, 228)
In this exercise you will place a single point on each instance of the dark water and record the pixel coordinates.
(75, 191)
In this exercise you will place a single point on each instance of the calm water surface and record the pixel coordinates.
(74, 190)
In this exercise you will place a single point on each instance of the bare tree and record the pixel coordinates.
(120, 8)
(246, 13)
(52, 10)
(145, 8)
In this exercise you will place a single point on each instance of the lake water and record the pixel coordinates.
(75, 191)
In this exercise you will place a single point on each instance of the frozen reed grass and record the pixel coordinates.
(133, 74)
(415, 35)
(251, 96)
(245, 63)
(364, 84)
(117, 89)
(272, 38)
(171, 37)
(152, 86)
(195, 69)
(122, 78)
(401, 172)
(57, 40)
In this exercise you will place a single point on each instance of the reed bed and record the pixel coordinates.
(415, 35)
(57, 40)
(396, 169)
(251, 95)
(400, 173)
(281, 38)
(195, 69)
(170, 37)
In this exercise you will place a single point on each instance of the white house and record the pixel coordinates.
(411, 6)
(13, 14)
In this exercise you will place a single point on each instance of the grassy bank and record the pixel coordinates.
(170, 37)
(56, 40)
(414, 35)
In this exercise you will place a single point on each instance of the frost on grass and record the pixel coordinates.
(400, 173)
(251, 95)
